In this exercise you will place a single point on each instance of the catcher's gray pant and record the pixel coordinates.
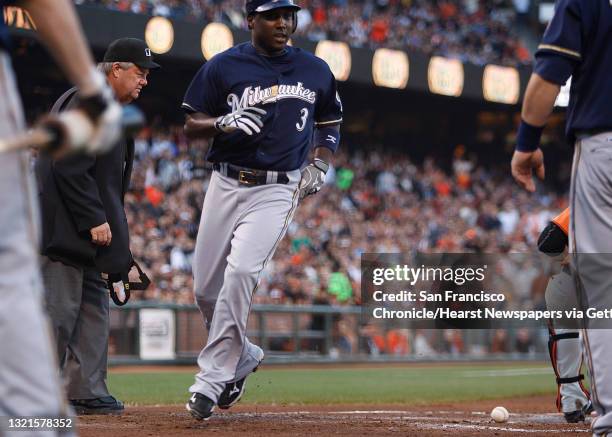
(29, 380)
(240, 229)
(78, 306)
(565, 345)
(591, 247)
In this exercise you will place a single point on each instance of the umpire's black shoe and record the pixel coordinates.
(200, 406)
(233, 392)
(104, 405)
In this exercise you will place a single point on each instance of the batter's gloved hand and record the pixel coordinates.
(313, 178)
(93, 125)
(248, 120)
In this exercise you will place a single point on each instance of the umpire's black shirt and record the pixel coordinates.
(80, 192)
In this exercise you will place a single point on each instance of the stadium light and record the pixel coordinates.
(390, 68)
(501, 84)
(216, 38)
(159, 35)
(338, 57)
(445, 76)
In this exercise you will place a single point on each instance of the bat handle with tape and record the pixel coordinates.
(132, 120)
(31, 138)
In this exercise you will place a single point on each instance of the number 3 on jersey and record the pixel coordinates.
(304, 116)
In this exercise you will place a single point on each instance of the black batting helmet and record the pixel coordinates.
(255, 6)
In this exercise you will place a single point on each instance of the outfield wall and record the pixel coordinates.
(174, 334)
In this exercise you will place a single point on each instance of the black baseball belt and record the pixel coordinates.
(582, 134)
(250, 176)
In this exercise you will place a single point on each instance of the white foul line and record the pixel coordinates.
(426, 420)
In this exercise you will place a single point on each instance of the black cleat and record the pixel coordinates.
(104, 405)
(200, 406)
(579, 415)
(233, 392)
(587, 408)
(574, 416)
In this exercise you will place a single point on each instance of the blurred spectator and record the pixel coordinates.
(452, 341)
(499, 343)
(422, 347)
(474, 31)
(397, 342)
(524, 342)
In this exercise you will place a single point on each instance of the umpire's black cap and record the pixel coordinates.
(132, 50)
(255, 6)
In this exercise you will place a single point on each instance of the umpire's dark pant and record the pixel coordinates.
(78, 306)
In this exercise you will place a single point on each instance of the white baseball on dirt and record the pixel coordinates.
(500, 414)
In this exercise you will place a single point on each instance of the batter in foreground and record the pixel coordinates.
(265, 105)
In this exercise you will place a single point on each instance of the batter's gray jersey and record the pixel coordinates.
(29, 379)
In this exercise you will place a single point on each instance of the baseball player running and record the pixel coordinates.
(564, 344)
(263, 103)
(29, 379)
(577, 43)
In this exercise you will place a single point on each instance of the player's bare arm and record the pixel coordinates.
(537, 106)
(323, 153)
(539, 100)
(200, 125)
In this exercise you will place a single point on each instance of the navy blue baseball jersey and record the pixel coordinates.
(4, 35)
(297, 90)
(577, 43)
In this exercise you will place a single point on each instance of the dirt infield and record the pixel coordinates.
(530, 416)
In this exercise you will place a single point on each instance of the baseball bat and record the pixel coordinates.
(132, 120)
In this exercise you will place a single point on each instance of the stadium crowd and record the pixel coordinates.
(476, 31)
(372, 203)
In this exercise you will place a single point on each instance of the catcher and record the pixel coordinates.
(564, 344)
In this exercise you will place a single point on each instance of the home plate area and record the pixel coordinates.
(467, 419)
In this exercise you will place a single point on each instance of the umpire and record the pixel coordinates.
(577, 44)
(85, 233)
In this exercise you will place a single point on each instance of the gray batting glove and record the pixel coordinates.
(313, 178)
(248, 120)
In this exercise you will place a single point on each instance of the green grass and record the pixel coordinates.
(381, 385)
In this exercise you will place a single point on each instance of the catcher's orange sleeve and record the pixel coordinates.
(562, 220)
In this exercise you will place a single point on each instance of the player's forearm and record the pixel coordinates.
(324, 154)
(200, 126)
(58, 25)
(539, 100)
(326, 140)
